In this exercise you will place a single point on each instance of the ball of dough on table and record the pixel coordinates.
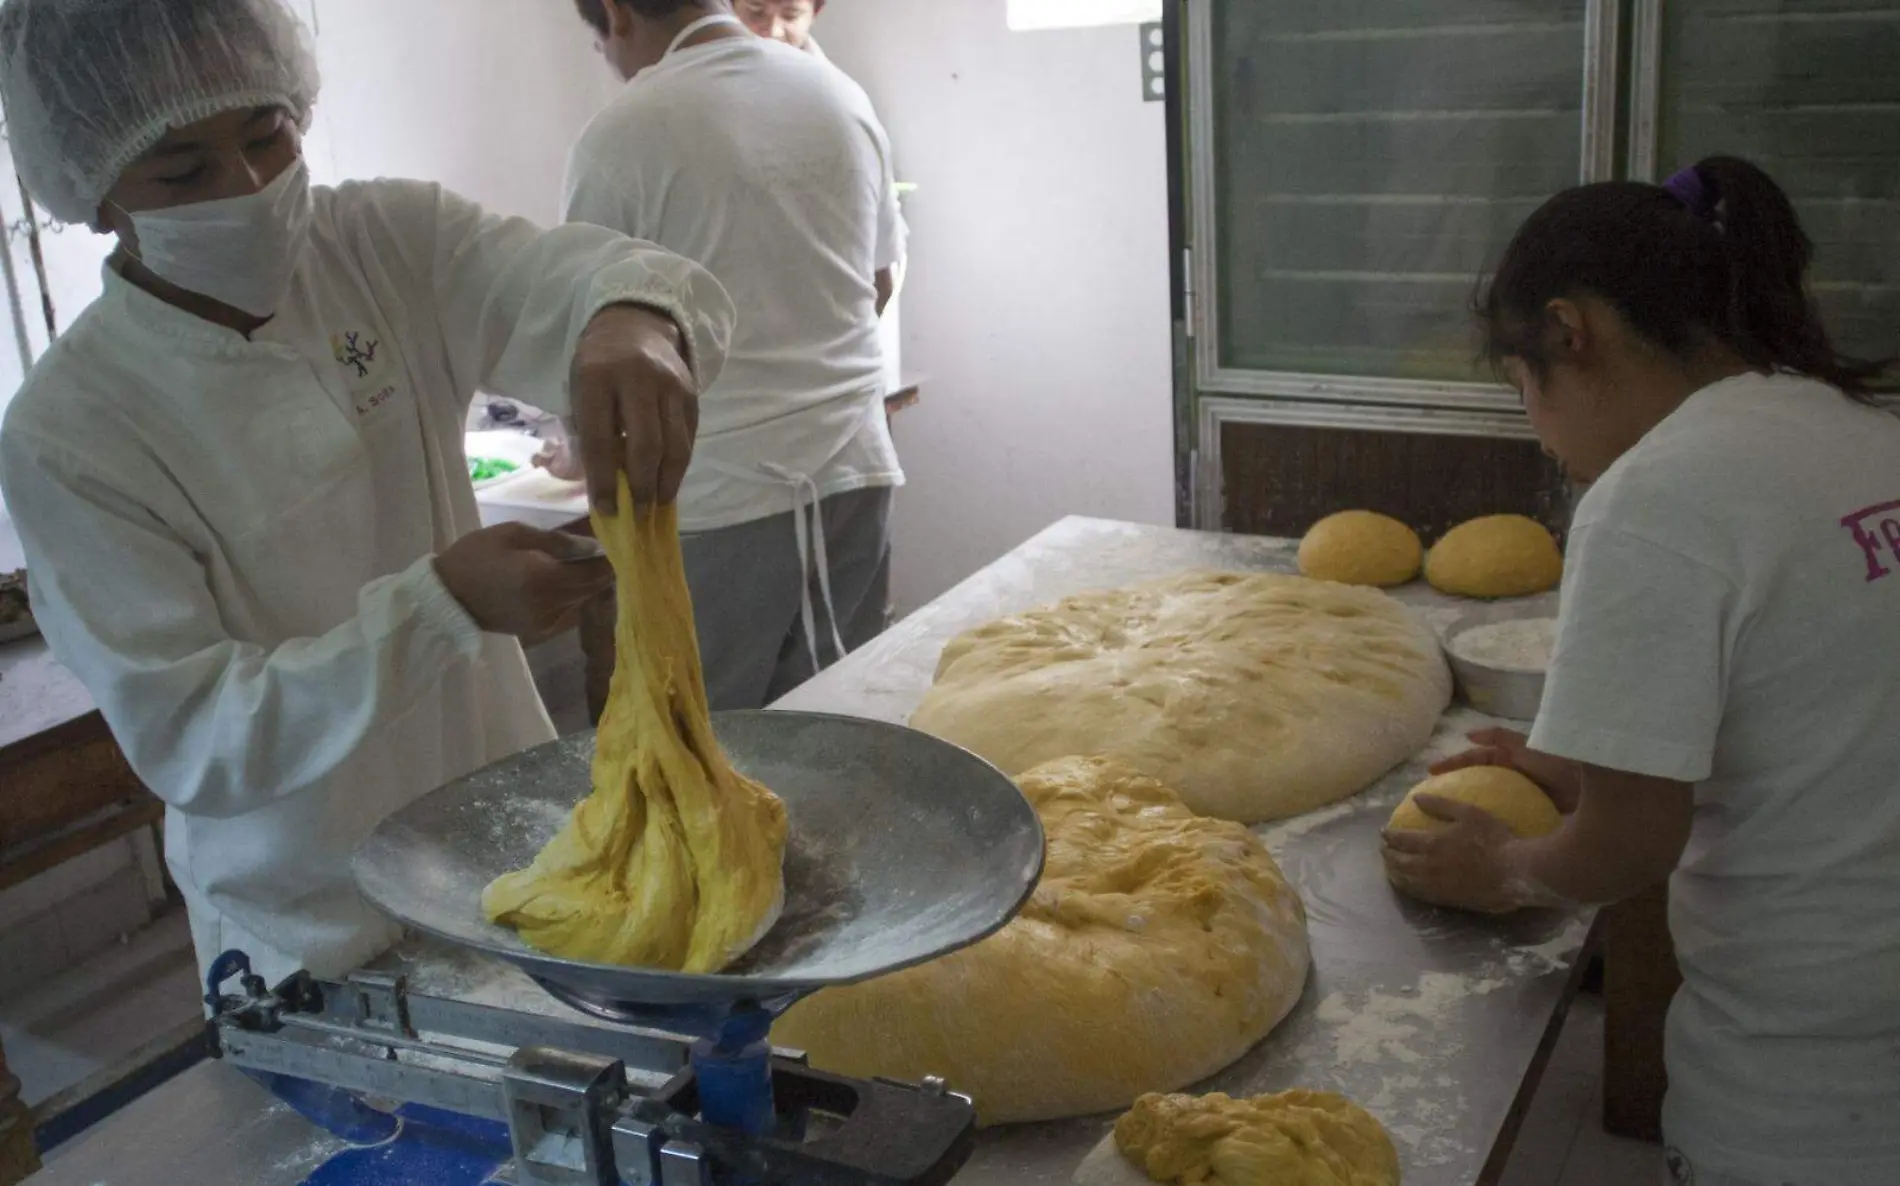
(1520, 803)
(1295, 1138)
(1496, 556)
(1361, 548)
(1159, 947)
(1254, 696)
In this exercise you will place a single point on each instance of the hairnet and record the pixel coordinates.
(90, 85)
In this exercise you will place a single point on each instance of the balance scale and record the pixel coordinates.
(902, 849)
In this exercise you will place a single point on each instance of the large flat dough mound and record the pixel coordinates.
(1159, 947)
(1253, 695)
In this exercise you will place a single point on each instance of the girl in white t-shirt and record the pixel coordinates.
(1723, 708)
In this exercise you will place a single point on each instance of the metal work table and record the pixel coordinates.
(1438, 1023)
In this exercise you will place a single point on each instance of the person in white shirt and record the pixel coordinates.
(789, 21)
(769, 168)
(239, 476)
(1723, 708)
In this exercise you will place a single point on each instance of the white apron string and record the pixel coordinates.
(811, 545)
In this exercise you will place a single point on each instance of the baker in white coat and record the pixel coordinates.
(239, 475)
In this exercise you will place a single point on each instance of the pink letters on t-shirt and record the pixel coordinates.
(1873, 528)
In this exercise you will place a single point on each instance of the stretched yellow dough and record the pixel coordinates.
(675, 860)
(1295, 1138)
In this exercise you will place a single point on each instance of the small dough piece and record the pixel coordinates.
(1253, 696)
(1295, 1138)
(1496, 556)
(1520, 803)
(1361, 548)
(675, 860)
(1159, 947)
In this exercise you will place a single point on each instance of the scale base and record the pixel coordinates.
(575, 1115)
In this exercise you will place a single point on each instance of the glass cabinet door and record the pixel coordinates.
(1809, 90)
(1357, 164)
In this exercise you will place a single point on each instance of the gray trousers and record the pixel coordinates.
(746, 598)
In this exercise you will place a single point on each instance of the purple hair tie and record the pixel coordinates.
(1687, 187)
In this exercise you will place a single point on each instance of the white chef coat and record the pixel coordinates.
(1731, 618)
(768, 166)
(230, 541)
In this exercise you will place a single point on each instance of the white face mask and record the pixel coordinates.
(240, 252)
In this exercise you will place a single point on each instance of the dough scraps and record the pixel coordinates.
(1361, 548)
(1253, 695)
(1520, 803)
(1295, 1138)
(675, 860)
(1496, 556)
(1159, 947)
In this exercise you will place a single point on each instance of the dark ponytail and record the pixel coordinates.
(1715, 254)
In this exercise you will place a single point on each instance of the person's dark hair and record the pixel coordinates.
(1715, 254)
(594, 12)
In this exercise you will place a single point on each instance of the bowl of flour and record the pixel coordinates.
(1499, 654)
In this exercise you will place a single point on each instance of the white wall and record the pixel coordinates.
(1037, 302)
(484, 96)
(72, 256)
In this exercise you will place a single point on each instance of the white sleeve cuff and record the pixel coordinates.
(437, 609)
(1648, 756)
(701, 331)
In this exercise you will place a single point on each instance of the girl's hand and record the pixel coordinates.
(1465, 865)
(1561, 778)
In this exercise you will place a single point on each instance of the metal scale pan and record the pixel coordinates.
(902, 848)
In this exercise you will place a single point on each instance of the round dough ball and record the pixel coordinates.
(1361, 548)
(1497, 556)
(1295, 1138)
(1519, 802)
(1253, 695)
(1159, 947)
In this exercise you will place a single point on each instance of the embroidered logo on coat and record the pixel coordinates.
(366, 365)
(1877, 530)
(356, 351)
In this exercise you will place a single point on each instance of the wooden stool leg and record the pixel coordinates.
(1640, 978)
(19, 1155)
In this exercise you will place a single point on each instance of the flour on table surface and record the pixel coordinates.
(1453, 736)
(1381, 1027)
(1280, 834)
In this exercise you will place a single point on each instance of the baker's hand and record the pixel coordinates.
(561, 459)
(513, 579)
(636, 404)
(1465, 865)
(1561, 778)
